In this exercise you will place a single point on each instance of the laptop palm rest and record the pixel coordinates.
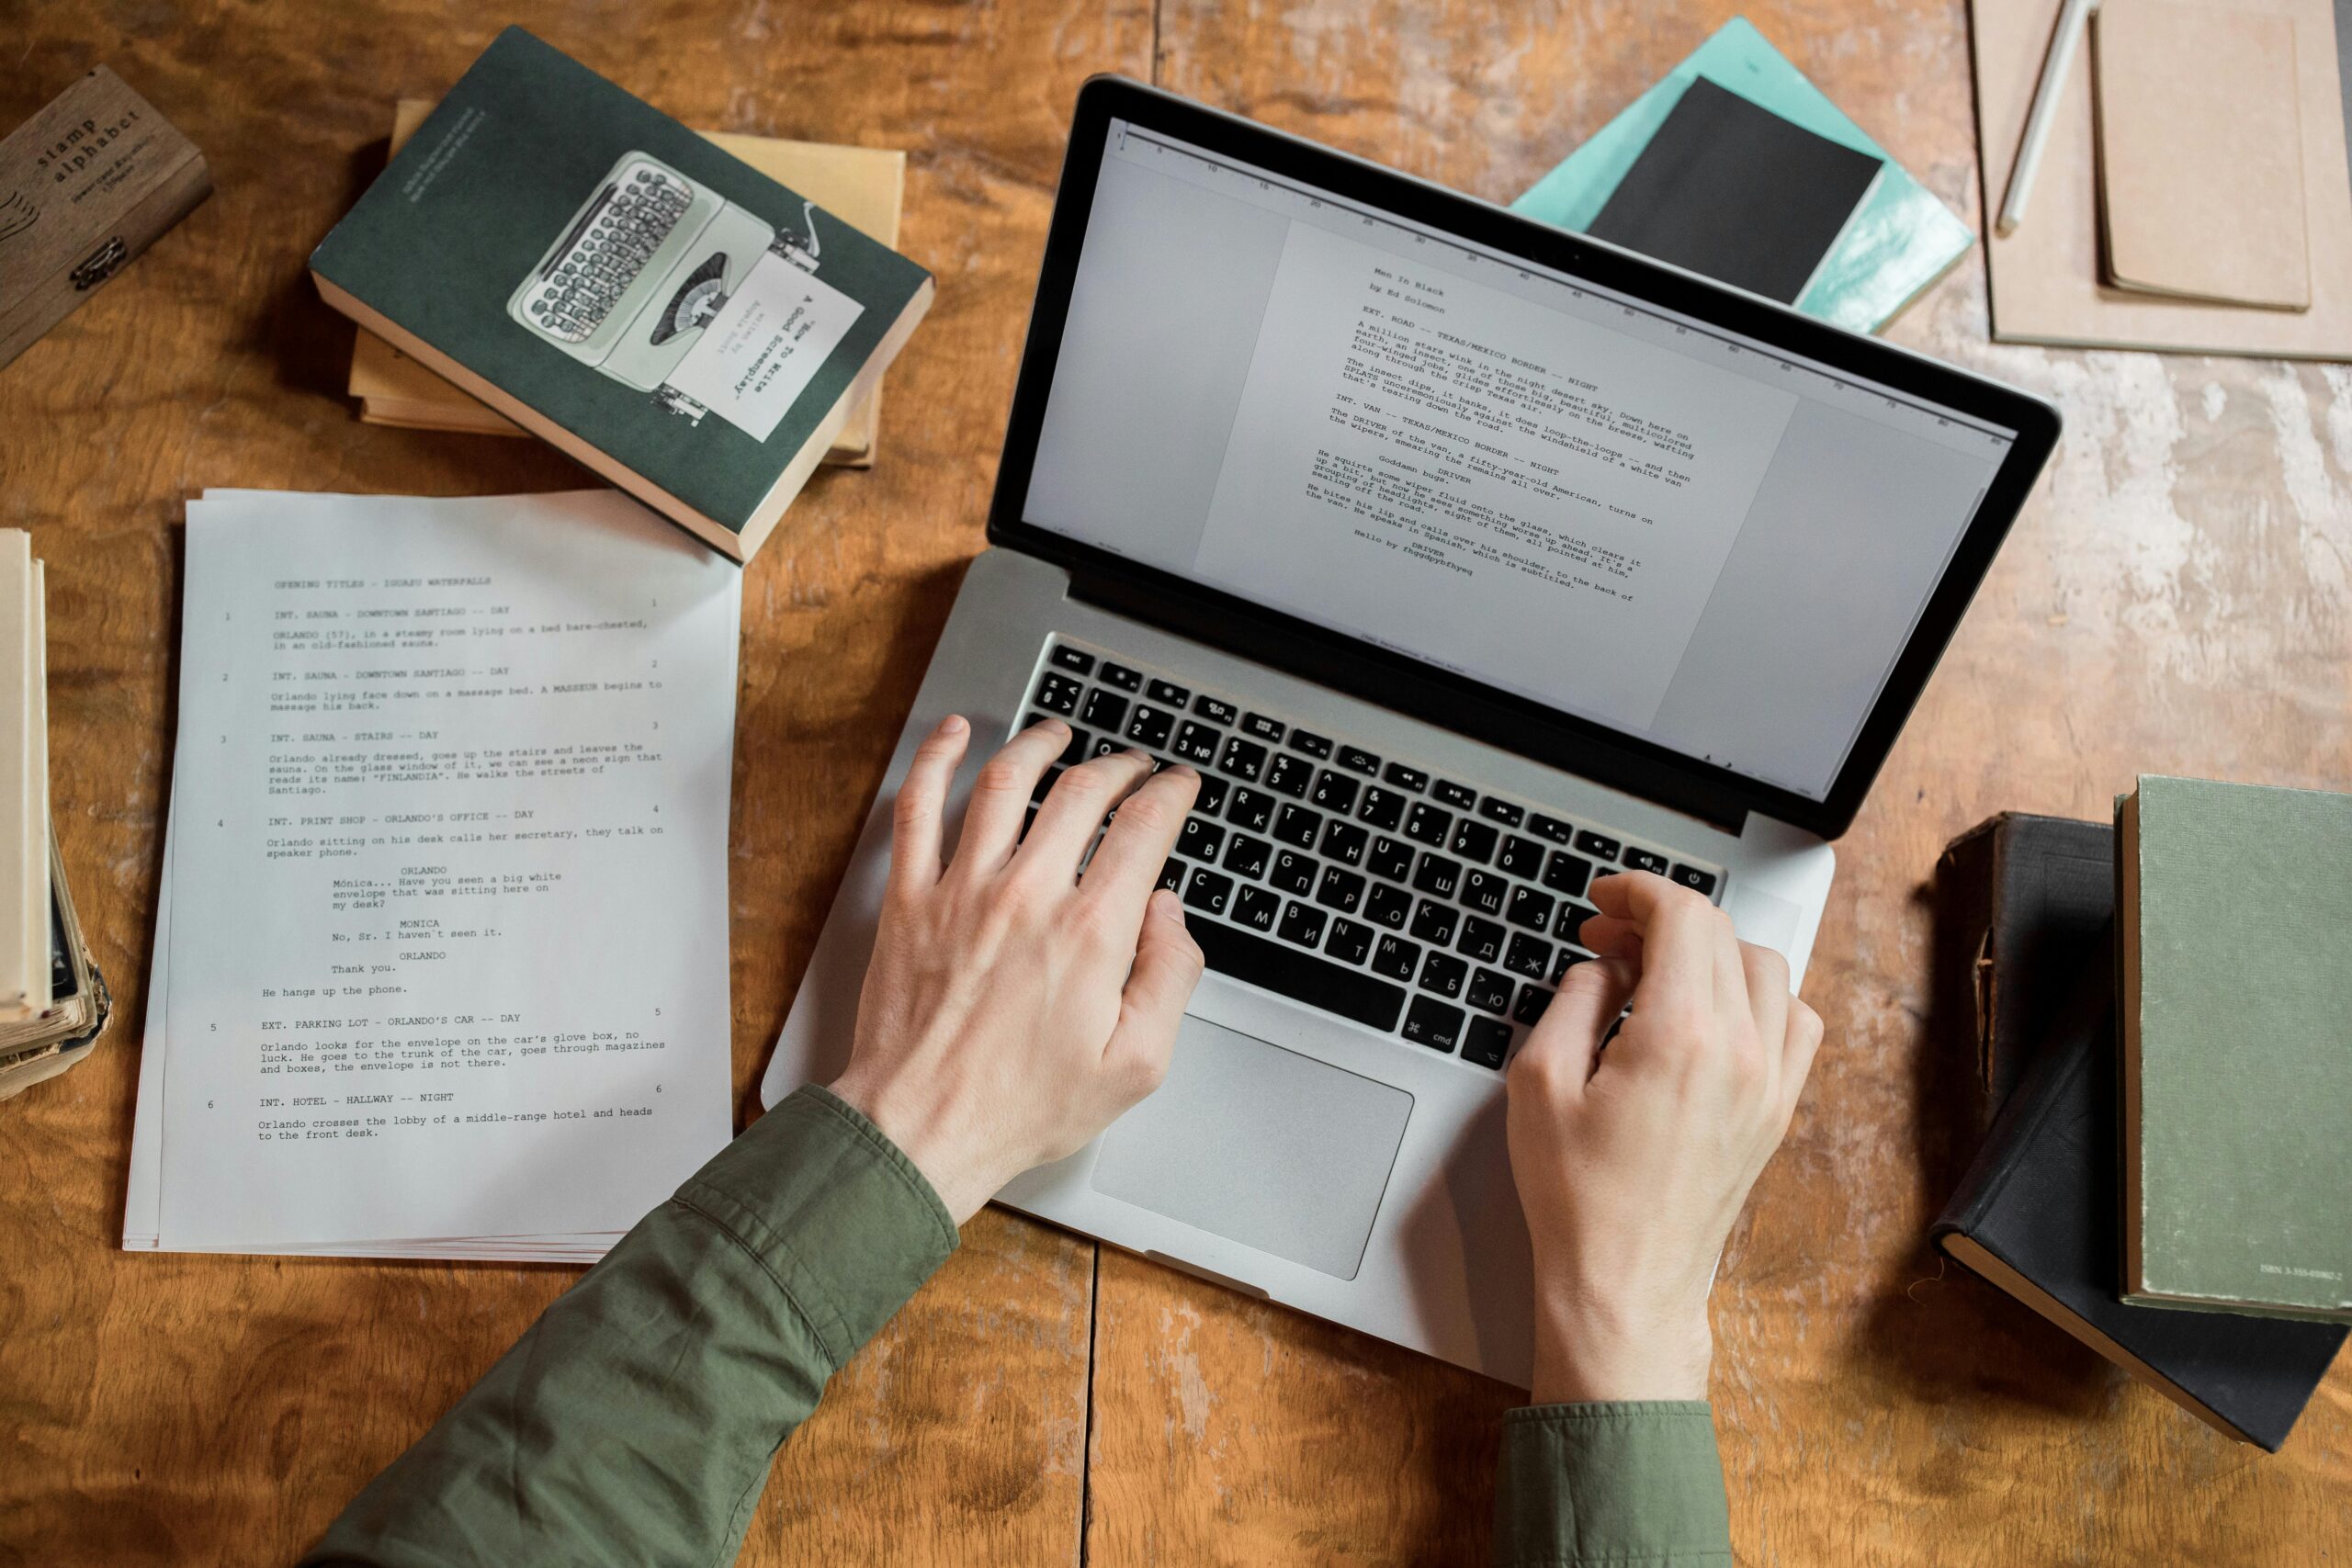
(1261, 1145)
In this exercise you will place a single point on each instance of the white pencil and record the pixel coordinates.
(2074, 16)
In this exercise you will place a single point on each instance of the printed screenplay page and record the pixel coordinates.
(1467, 463)
(450, 812)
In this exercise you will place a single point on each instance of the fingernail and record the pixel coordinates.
(953, 725)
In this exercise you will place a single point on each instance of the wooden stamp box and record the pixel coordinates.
(85, 185)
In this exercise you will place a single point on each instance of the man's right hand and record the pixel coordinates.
(1632, 1161)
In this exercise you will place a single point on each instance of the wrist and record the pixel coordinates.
(1587, 1352)
(926, 1135)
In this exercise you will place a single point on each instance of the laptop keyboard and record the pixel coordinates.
(1424, 906)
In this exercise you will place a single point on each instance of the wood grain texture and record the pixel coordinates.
(2177, 598)
(218, 1410)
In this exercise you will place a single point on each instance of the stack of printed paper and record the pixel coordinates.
(449, 820)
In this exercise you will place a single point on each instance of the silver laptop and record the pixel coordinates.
(1467, 560)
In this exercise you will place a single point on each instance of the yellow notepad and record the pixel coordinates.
(864, 187)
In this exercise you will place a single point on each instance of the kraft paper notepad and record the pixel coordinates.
(2200, 153)
(2045, 278)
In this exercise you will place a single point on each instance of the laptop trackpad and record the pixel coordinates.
(1261, 1145)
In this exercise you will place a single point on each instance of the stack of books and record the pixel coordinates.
(2160, 1010)
(52, 1002)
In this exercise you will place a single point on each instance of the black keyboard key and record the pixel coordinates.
(1390, 907)
(1334, 792)
(1489, 992)
(1297, 826)
(1550, 827)
(1481, 940)
(1520, 857)
(1058, 693)
(1501, 811)
(1256, 907)
(1341, 890)
(1215, 710)
(1302, 976)
(1444, 974)
(1119, 676)
(1462, 797)
(1264, 729)
(1429, 824)
(1167, 692)
(1532, 1000)
(1391, 859)
(1292, 873)
(1243, 758)
(1473, 840)
(1045, 786)
(1438, 876)
(1530, 908)
(1199, 839)
(1690, 876)
(1643, 860)
(1244, 856)
(1069, 658)
(1151, 726)
(1172, 873)
(1569, 958)
(1528, 956)
(1600, 846)
(1568, 926)
(1291, 775)
(1076, 752)
(1344, 842)
(1356, 759)
(1396, 958)
(1251, 810)
(1434, 922)
(1212, 796)
(1105, 709)
(1486, 1042)
(1209, 892)
(1302, 925)
(1196, 744)
(1432, 1024)
(1383, 809)
(1484, 891)
(1104, 745)
(1312, 744)
(1565, 873)
(1349, 941)
(1404, 777)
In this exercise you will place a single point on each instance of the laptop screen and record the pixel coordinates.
(1630, 516)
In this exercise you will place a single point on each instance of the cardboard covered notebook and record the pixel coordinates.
(864, 187)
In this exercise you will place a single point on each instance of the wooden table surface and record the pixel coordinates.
(2177, 597)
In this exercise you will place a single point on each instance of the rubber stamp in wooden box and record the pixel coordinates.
(85, 184)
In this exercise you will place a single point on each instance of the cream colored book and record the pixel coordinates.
(864, 187)
(24, 782)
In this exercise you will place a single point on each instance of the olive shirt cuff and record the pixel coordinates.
(836, 1214)
(1619, 1482)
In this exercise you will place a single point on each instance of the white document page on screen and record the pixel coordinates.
(1467, 476)
(450, 809)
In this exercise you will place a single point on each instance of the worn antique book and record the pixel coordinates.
(613, 282)
(2023, 905)
(24, 784)
(2234, 905)
(85, 185)
(864, 187)
(2036, 1217)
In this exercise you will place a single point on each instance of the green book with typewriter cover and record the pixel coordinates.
(614, 283)
(2233, 959)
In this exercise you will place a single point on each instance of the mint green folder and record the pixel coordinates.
(1900, 240)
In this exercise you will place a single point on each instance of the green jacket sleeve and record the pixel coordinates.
(1636, 1485)
(636, 1420)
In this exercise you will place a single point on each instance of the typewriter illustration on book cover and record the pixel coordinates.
(647, 261)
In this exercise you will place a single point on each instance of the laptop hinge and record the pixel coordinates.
(1332, 660)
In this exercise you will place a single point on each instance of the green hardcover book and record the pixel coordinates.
(2234, 967)
(616, 284)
